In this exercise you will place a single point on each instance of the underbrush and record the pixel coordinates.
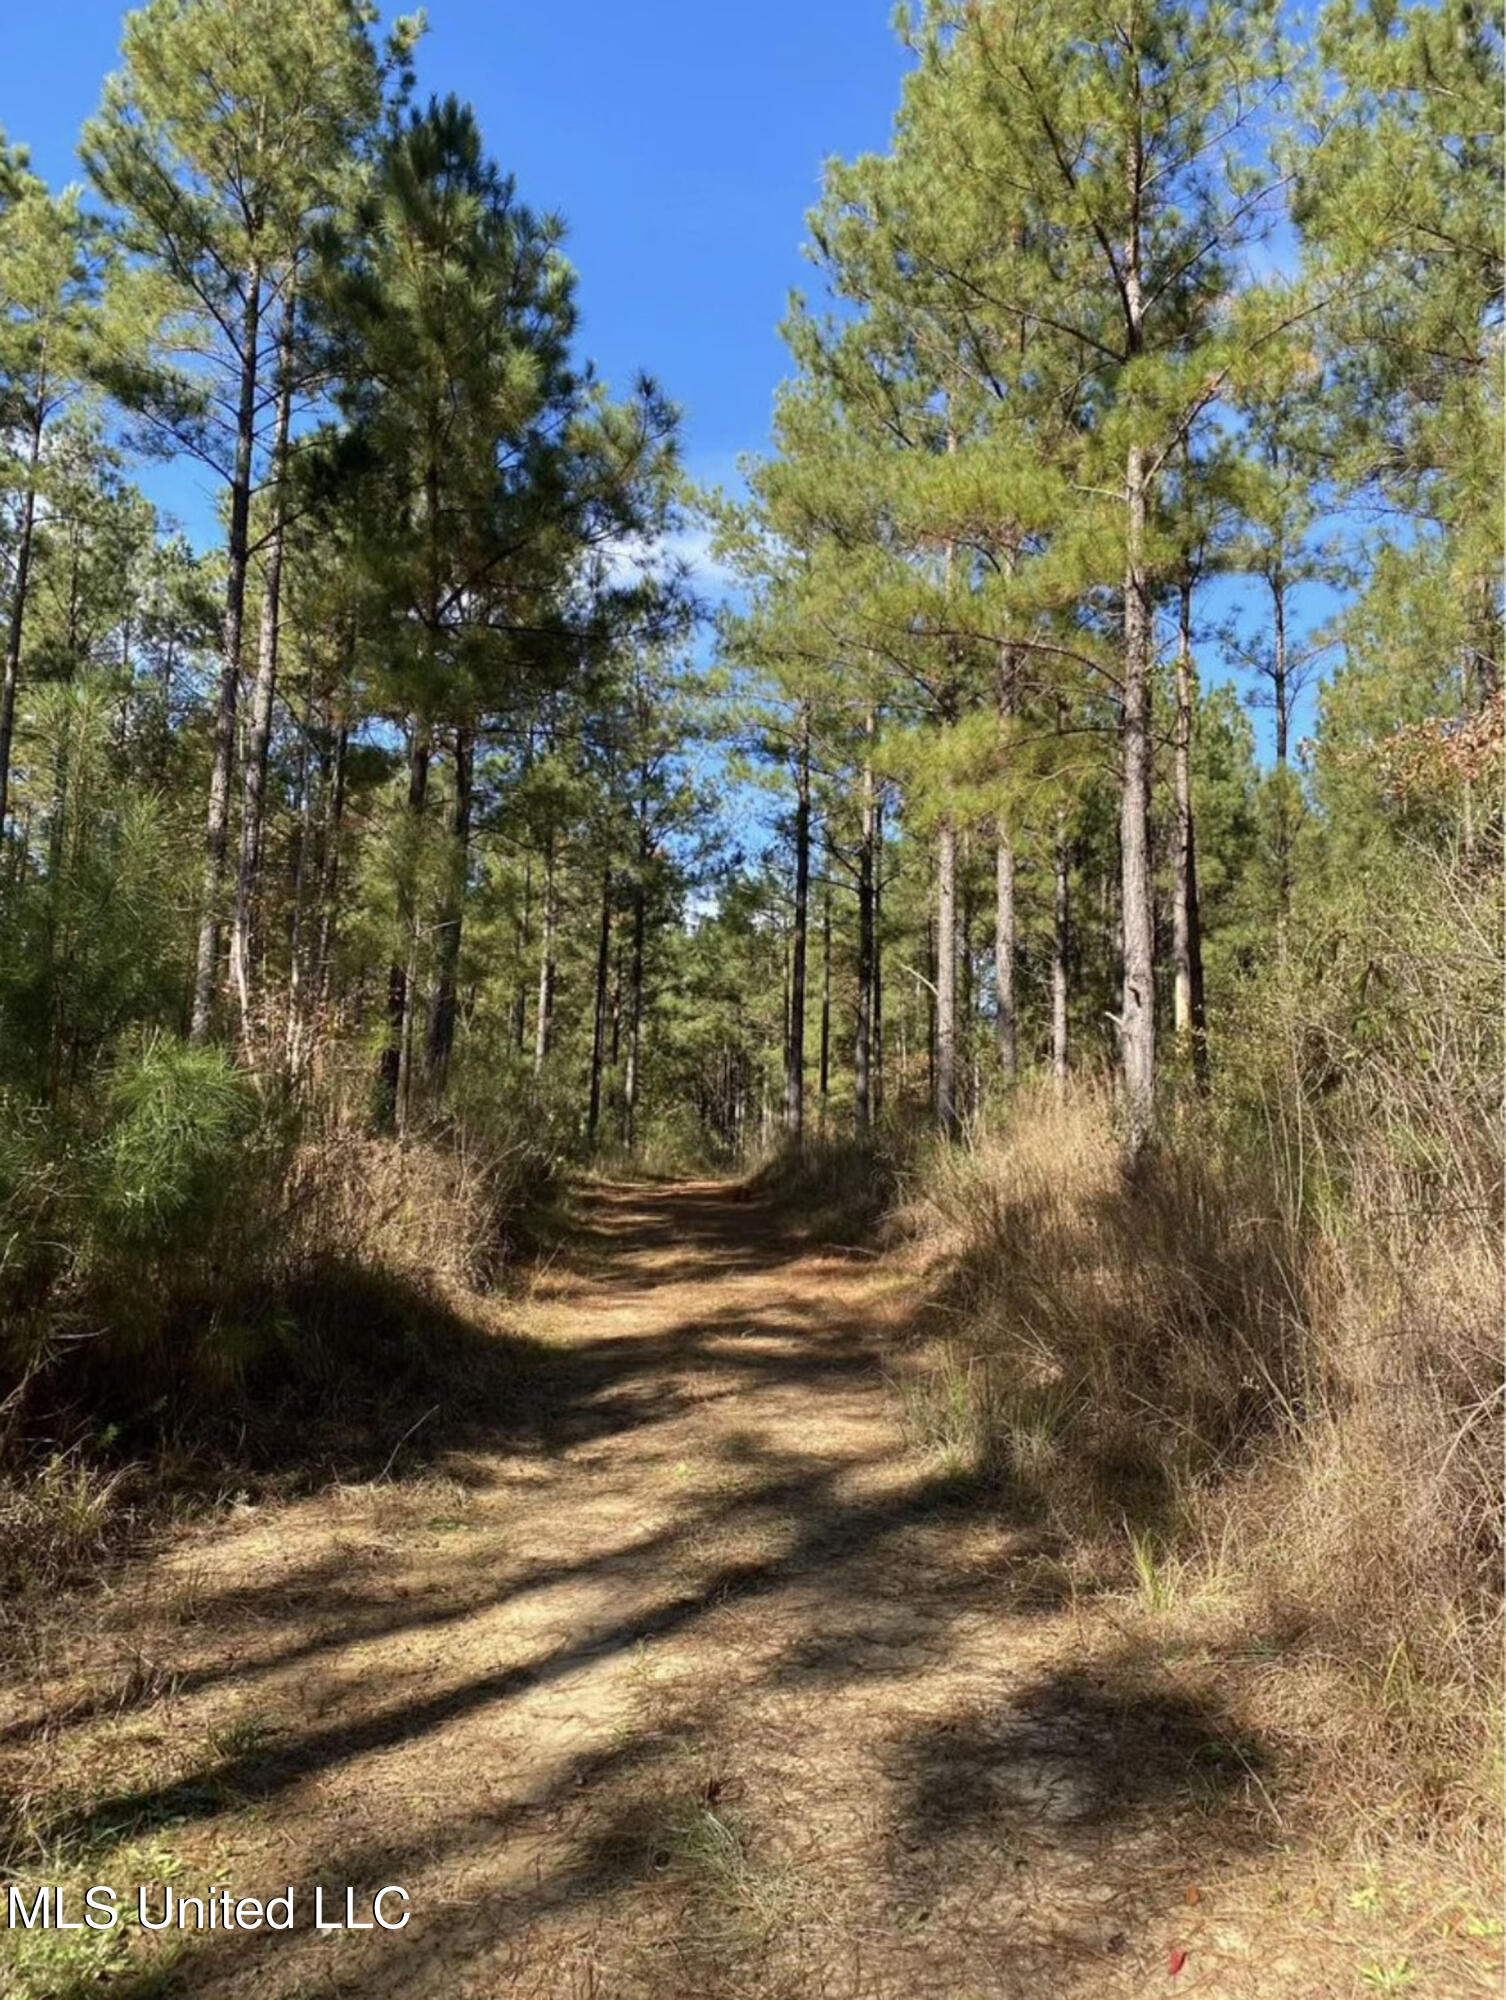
(200, 1288)
(1258, 1379)
(834, 1188)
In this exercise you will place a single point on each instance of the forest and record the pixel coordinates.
(1048, 851)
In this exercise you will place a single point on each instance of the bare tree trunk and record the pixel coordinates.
(1061, 945)
(329, 884)
(1281, 699)
(303, 861)
(635, 1006)
(863, 1045)
(217, 824)
(1181, 926)
(967, 1006)
(599, 1015)
(263, 695)
(794, 1067)
(543, 1029)
(1137, 1030)
(442, 1013)
(931, 999)
(1187, 945)
(520, 998)
(1137, 1021)
(946, 976)
(25, 531)
(876, 1010)
(395, 1057)
(1005, 1023)
(825, 1002)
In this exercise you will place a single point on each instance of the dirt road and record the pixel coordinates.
(710, 1688)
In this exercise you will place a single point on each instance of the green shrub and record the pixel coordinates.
(170, 1165)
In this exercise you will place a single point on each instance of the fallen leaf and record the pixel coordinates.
(1175, 1962)
(1194, 1893)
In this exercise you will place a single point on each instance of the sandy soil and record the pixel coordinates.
(710, 1687)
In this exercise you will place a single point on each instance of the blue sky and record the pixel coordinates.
(681, 141)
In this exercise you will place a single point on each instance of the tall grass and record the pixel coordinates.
(1267, 1366)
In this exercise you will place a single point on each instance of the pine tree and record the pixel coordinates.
(222, 144)
(49, 330)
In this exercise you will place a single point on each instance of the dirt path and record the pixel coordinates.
(715, 1690)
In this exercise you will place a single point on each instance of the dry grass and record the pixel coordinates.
(55, 1523)
(1278, 1428)
(333, 1343)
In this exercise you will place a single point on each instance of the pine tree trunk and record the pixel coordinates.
(1137, 1021)
(1187, 943)
(217, 823)
(635, 1007)
(395, 1057)
(263, 695)
(825, 1003)
(876, 1010)
(329, 871)
(442, 1013)
(303, 861)
(1181, 923)
(520, 997)
(931, 999)
(1278, 668)
(946, 976)
(25, 532)
(794, 1068)
(599, 1013)
(543, 1027)
(1061, 946)
(967, 1008)
(862, 1061)
(1005, 1024)
(1138, 1017)
(1282, 702)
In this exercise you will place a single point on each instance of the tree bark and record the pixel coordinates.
(1187, 947)
(263, 695)
(329, 883)
(1005, 1023)
(825, 1002)
(520, 998)
(876, 1011)
(543, 1027)
(862, 1060)
(794, 1066)
(599, 1014)
(635, 1004)
(303, 861)
(1137, 1032)
(946, 976)
(395, 1057)
(441, 1035)
(1061, 945)
(217, 822)
(17, 622)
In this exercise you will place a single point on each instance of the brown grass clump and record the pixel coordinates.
(1286, 1409)
(1132, 1335)
(317, 1302)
